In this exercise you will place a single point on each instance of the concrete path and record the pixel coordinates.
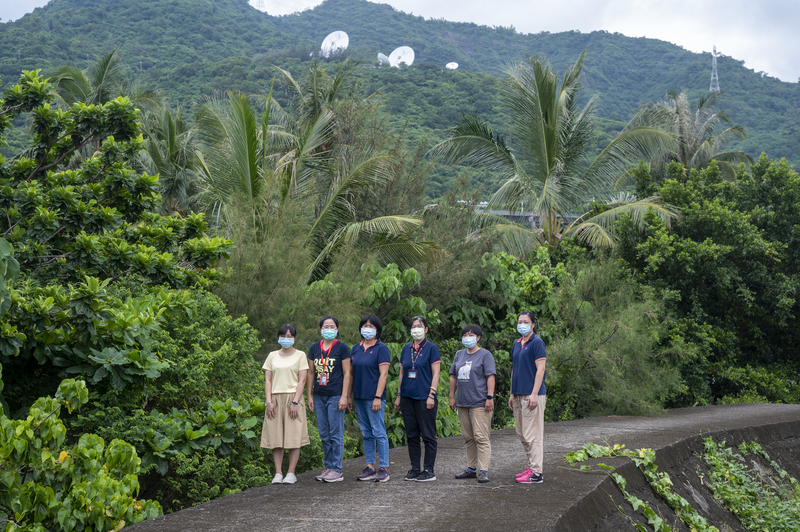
(567, 500)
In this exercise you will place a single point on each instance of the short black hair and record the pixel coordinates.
(287, 328)
(326, 318)
(418, 318)
(372, 319)
(533, 318)
(472, 328)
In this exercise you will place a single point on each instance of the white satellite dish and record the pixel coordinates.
(404, 54)
(338, 40)
(451, 66)
(383, 59)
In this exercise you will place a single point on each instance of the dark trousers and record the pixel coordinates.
(419, 421)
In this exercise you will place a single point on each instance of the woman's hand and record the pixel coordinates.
(533, 402)
(452, 403)
(270, 410)
(350, 404)
(342, 403)
(376, 405)
(397, 403)
(489, 405)
(511, 402)
(430, 403)
(293, 411)
(311, 404)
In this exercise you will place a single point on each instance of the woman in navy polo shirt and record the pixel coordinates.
(370, 360)
(416, 398)
(528, 395)
(329, 372)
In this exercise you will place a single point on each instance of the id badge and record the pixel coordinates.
(412, 374)
(323, 380)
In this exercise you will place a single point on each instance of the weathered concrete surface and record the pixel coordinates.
(567, 500)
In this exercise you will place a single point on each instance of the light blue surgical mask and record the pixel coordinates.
(329, 334)
(368, 333)
(469, 341)
(524, 329)
(286, 342)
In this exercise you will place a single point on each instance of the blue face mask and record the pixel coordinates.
(329, 334)
(286, 342)
(524, 329)
(368, 333)
(469, 341)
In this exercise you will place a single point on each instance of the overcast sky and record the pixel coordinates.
(765, 33)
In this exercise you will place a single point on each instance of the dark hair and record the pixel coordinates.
(418, 318)
(372, 319)
(472, 328)
(287, 328)
(533, 318)
(326, 318)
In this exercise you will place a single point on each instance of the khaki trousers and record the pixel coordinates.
(476, 426)
(530, 429)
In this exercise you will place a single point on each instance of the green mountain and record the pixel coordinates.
(191, 48)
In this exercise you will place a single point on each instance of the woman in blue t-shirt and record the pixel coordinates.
(370, 360)
(329, 377)
(528, 395)
(416, 398)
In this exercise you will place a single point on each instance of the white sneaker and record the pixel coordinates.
(290, 478)
(278, 479)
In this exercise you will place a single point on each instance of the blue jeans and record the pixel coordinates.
(330, 422)
(373, 429)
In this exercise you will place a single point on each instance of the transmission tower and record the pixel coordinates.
(260, 5)
(714, 78)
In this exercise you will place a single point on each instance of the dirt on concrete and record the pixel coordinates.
(568, 500)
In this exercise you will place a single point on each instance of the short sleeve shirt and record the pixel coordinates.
(472, 372)
(285, 370)
(329, 376)
(523, 366)
(417, 368)
(366, 369)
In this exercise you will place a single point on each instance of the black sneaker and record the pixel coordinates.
(536, 478)
(412, 474)
(467, 474)
(425, 476)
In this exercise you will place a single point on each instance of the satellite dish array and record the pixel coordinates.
(338, 40)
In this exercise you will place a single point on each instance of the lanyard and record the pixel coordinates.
(416, 352)
(322, 353)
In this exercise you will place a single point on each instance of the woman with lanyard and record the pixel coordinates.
(528, 395)
(329, 376)
(370, 361)
(285, 417)
(416, 398)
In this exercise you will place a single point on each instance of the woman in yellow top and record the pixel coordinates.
(285, 417)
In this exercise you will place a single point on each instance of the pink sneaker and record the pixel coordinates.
(528, 472)
(322, 475)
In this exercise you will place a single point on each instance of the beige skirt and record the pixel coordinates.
(283, 432)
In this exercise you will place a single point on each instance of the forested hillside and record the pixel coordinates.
(191, 48)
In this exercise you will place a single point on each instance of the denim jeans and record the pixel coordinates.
(420, 421)
(330, 422)
(373, 429)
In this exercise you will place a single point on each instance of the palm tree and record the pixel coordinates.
(700, 133)
(544, 160)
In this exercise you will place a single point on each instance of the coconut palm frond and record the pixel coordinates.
(472, 141)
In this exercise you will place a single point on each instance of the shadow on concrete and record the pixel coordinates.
(567, 500)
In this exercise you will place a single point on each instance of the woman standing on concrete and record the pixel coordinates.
(370, 360)
(417, 400)
(285, 417)
(329, 378)
(472, 375)
(528, 395)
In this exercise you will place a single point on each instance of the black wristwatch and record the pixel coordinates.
(490, 397)
(295, 404)
(378, 397)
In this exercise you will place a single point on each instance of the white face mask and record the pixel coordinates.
(417, 333)
(469, 341)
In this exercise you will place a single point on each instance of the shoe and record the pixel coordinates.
(536, 478)
(290, 478)
(425, 476)
(383, 475)
(467, 474)
(367, 474)
(333, 476)
(412, 474)
(528, 472)
(483, 477)
(322, 475)
(277, 479)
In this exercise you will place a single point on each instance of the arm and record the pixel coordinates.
(399, 387)
(533, 400)
(453, 392)
(376, 403)
(511, 395)
(348, 379)
(298, 393)
(435, 367)
(311, 377)
(268, 394)
(490, 389)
